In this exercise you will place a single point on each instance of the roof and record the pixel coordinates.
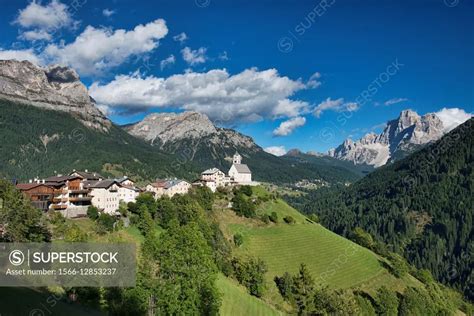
(172, 183)
(29, 186)
(104, 184)
(122, 179)
(166, 184)
(242, 168)
(61, 178)
(88, 175)
(211, 171)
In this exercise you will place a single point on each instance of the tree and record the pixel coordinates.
(165, 211)
(20, 220)
(186, 277)
(362, 238)
(387, 302)
(204, 196)
(289, 219)
(303, 291)
(285, 286)
(75, 234)
(105, 223)
(242, 206)
(145, 222)
(251, 273)
(92, 212)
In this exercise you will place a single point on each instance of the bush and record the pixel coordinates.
(251, 274)
(242, 206)
(246, 189)
(274, 217)
(314, 218)
(289, 220)
(92, 212)
(265, 218)
(105, 223)
(238, 239)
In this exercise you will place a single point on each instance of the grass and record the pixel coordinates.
(25, 301)
(236, 300)
(331, 259)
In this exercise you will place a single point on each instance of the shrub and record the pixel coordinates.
(274, 217)
(314, 218)
(251, 274)
(105, 223)
(238, 239)
(289, 220)
(92, 212)
(265, 218)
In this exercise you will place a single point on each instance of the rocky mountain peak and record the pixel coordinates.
(166, 127)
(293, 152)
(400, 135)
(54, 87)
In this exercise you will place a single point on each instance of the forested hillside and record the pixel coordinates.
(421, 207)
(37, 142)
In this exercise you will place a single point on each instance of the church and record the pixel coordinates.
(239, 172)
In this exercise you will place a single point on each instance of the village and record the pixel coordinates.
(72, 194)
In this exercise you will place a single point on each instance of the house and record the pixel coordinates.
(239, 172)
(211, 184)
(168, 187)
(215, 175)
(70, 194)
(105, 195)
(39, 193)
(86, 175)
(125, 181)
(128, 193)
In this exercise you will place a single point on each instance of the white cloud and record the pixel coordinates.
(181, 37)
(167, 62)
(27, 54)
(276, 150)
(337, 105)
(453, 117)
(248, 96)
(223, 56)
(97, 50)
(395, 101)
(287, 127)
(108, 12)
(313, 81)
(194, 57)
(53, 15)
(36, 35)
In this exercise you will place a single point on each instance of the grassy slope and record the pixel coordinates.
(236, 300)
(332, 259)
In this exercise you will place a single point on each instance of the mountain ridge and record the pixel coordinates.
(401, 136)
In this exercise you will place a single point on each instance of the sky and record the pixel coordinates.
(291, 74)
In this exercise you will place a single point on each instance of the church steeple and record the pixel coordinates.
(237, 160)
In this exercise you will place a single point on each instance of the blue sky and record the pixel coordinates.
(336, 63)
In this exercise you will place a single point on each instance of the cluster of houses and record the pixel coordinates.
(72, 194)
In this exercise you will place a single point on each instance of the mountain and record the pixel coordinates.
(400, 137)
(48, 123)
(38, 142)
(54, 87)
(421, 206)
(193, 137)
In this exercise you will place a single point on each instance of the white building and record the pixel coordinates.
(128, 193)
(168, 187)
(239, 172)
(211, 184)
(215, 175)
(105, 195)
